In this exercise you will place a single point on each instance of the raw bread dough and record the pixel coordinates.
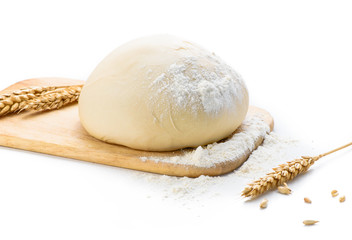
(162, 93)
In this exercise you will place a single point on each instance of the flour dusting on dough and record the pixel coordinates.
(192, 84)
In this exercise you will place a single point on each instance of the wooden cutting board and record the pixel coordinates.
(60, 133)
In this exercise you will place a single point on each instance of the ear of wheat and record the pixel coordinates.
(12, 102)
(283, 173)
(54, 99)
(25, 98)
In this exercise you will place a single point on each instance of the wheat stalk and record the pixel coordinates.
(54, 99)
(12, 102)
(19, 100)
(283, 173)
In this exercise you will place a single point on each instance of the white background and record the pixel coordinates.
(296, 58)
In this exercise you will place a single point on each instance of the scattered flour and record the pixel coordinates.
(274, 150)
(266, 156)
(239, 144)
(194, 84)
(181, 187)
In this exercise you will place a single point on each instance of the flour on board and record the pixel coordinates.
(237, 145)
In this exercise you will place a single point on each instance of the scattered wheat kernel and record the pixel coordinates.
(307, 200)
(309, 222)
(342, 199)
(284, 189)
(264, 203)
(334, 193)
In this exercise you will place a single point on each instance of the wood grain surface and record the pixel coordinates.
(59, 133)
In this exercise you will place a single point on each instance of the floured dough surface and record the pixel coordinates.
(162, 93)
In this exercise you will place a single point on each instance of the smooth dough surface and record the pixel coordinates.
(161, 93)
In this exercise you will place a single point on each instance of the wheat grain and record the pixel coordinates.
(264, 203)
(309, 222)
(342, 199)
(19, 100)
(334, 193)
(307, 200)
(283, 173)
(284, 189)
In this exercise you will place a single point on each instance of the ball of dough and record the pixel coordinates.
(162, 93)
